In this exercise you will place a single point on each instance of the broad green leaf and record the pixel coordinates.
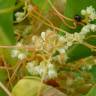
(77, 52)
(3, 78)
(6, 33)
(93, 73)
(3, 75)
(6, 22)
(30, 87)
(6, 26)
(42, 5)
(74, 7)
(92, 92)
(2, 93)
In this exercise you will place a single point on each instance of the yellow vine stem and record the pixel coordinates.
(89, 45)
(62, 17)
(92, 36)
(5, 89)
(38, 13)
(18, 6)
(93, 48)
(18, 47)
(54, 27)
(9, 68)
(43, 17)
(71, 27)
(69, 19)
(19, 64)
(41, 83)
(11, 9)
(7, 71)
(48, 23)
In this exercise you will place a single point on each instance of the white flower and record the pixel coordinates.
(93, 27)
(87, 28)
(14, 53)
(90, 9)
(61, 50)
(66, 47)
(19, 44)
(69, 44)
(52, 74)
(50, 66)
(30, 67)
(90, 12)
(43, 35)
(69, 37)
(30, 8)
(83, 12)
(39, 70)
(62, 39)
(89, 67)
(21, 56)
(19, 16)
(77, 37)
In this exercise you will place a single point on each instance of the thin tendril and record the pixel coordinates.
(5, 89)
(49, 1)
(54, 27)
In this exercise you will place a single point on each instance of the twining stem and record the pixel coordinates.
(41, 83)
(69, 19)
(54, 27)
(10, 9)
(5, 89)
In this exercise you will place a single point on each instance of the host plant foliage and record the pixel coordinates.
(52, 47)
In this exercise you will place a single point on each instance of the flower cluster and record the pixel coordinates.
(51, 48)
(21, 15)
(88, 28)
(19, 54)
(34, 68)
(89, 13)
(69, 39)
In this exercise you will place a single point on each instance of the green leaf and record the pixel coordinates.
(6, 22)
(2, 93)
(30, 87)
(92, 92)
(74, 7)
(42, 5)
(3, 75)
(78, 51)
(3, 78)
(6, 26)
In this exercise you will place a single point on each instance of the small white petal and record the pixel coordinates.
(93, 27)
(19, 14)
(61, 50)
(30, 67)
(89, 67)
(69, 44)
(14, 53)
(19, 44)
(39, 70)
(21, 56)
(52, 74)
(83, 12)
(43, 35)
(50, 66)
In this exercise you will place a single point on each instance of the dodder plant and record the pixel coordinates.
(55, 48)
